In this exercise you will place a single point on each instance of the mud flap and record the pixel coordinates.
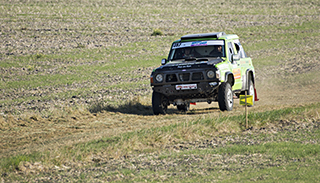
(255, 95)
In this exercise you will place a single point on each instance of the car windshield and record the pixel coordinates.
(198, 49)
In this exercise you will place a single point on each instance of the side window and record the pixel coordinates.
(237, 47)
(230, 50)
(240, 49)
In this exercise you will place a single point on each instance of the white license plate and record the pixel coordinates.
(186, 87)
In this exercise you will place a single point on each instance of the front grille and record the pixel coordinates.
(197, 76)
(171, 78)
(184, 77)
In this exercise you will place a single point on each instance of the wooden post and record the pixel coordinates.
(246, 109)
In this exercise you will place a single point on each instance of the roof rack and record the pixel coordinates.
(204, 35)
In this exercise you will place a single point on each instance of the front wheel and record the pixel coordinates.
(225, 97)
(159, 103)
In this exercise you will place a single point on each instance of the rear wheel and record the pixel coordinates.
(183, 107)
(225, 97)
(159, 103)
(251, 91)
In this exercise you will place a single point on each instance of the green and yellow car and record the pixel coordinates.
(207, 67)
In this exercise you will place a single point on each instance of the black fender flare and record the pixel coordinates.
(249, 75)
(229, 78)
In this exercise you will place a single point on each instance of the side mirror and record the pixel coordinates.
(163, 61)
(235, 57)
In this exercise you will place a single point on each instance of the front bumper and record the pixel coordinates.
(203, 90)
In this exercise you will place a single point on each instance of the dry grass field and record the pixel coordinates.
(75, 98)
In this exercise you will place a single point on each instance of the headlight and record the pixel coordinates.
(159, 78)
(211, 74)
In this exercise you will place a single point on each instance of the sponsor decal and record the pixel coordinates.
(244, 62)
(175, 45)
(236, 73)
(199, 43)
(184, 66)
(196, 43)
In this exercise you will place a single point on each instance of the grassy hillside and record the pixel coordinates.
(75, 99)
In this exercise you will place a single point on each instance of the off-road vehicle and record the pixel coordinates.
(208, 67)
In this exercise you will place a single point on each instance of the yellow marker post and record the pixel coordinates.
(246, 100)
(249, 99)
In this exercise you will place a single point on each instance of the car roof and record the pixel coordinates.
(203, 35)
(207, 36)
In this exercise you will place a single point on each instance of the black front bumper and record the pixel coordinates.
(204, 90)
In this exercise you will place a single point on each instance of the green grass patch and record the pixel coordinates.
(150, 140)
(12, 163)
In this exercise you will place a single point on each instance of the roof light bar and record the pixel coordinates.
(205, 35)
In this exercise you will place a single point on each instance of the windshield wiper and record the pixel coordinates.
(196, 59)
(202, 59)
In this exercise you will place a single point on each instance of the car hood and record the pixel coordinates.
(182, 64)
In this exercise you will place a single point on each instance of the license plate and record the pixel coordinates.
(186, 87)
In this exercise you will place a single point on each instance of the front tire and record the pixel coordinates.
(225, 97)
(159, 103)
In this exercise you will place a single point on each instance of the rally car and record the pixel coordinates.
(207, 67)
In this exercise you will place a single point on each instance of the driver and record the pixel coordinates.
(189, 52)
(217, 51)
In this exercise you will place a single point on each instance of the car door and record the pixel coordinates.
(236, 67)
(245, 63)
